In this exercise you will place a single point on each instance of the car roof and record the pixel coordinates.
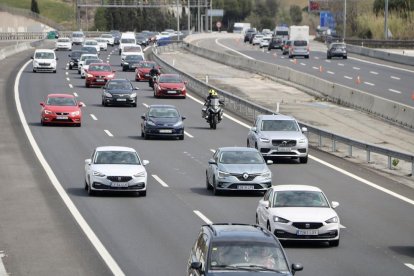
(276, 117)
(115, 148)
(240, 232)
(60, 96)
(296, 187)
(237, 149)
(44, 50)
(162, 105)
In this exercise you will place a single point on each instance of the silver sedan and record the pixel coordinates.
(115, 169)
(238, 168)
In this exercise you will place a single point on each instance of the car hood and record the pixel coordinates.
(119, 91)
(44, 60)
(55, 108)
(144, 70)
(166, 85)
(243, 168)
(245, 273)
(100, 73)
(304, 214)
(282, 134)
(118, 169)
(164, 121)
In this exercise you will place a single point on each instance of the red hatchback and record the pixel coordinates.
(61, 109)
(143, 69)
(170, 85)
(98, 74)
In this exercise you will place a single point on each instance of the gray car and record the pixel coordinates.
(279, 136)
(238, 168)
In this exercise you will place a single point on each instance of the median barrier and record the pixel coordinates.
(13, 49)
(379, 54)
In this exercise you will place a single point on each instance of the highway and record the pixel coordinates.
(153, 235)
(390, 81)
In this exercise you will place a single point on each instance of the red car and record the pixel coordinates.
(61, 109)
(98, 74)
(143, 69)
(170, 85)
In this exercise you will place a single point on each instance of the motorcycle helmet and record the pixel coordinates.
(212, 92)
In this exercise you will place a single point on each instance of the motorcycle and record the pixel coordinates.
(153, 78)
(213, 113)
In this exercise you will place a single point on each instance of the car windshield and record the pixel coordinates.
(76, 54)
(241, 157)
(61, 101)
(63, 40)
(300, 199)
(246, 255)
(90, 49)
(170, 79)
(106, 35)
(85, 57)
(91, 43)
(44, 55)
(279, 125)
(89, 61)
(128, 40)
(132, 49)
(119, 85)
(100, 68)
(146, 65)
(77, 35)
(338, 46)
(163, 113)
(134, 57)
(117, 157)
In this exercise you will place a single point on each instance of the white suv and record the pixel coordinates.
(44, 60)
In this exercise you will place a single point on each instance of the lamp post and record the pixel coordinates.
(386, 20)
(344, 35)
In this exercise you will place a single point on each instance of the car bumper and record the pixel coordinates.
(165, 132)
(96, 82)
(338, 54)
(171, 93)
(55, 119)
(134, 185)
(233, 184)
(44, 69)
(64, 48)
(290, 152)
(286, 231)
(120, 101)
(299, 53)
(142, 76)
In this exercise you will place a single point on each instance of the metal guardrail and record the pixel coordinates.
(370, 43)
(42, 35)
(249, 111)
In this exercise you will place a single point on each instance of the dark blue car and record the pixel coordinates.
(162, 121)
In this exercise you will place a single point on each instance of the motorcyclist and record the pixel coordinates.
(153, 73)
(212, 94)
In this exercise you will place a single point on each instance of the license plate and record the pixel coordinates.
(307, 232)
(147, 75)
(245, 187)
(121, 100)
(100, 80)
(119, 184)
(171, 92)
(283, 149)
(165, 131)
(62, 117)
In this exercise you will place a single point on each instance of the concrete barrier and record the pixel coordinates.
(380, 54)
(13, 49)
(384, 108)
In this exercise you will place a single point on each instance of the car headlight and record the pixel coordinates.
(126, 63)
(333, 220)
(35, 63)
(302, 141)
(133, 95)
(140, 174)
(47, 111)
(99, 174)
(267, 174)
(264, 140)
(75, 113)
(279, 219)
(151, 123)
(222, 174)
(177, 124)
(110, 76)
(108, 95)
(89, 75)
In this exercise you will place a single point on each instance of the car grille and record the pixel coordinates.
(62, 113)
(284, 143)
(235, 186)
(307, 225)
(119, 178)
(241, 178)
(44, 64)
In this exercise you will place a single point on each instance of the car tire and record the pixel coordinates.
(90, 191)
(87, 85)
(303, 160)
(345, 57)
(208, 186)
(290, 56)
(181, 137)
(215, 190)
(143, 193)
(134, 105)
(268, 227)
(86, 185)
(307, 57)
(257, 219)
(70, 67)
(248, 143)
(79, 124)
(34, 70)
(334, 243)
(328, 57)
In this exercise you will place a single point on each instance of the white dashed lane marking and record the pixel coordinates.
(394, 91)
(316, 68)
(349, 78)
(188, 134)
(330, 72)
(70, 85)
(68, 79)
(75, 94)
(159, 180)
(108, 133)
(368, 83)
(356, 68)
(373, 72)
(144, 104)
(67, 73)
(395, 78)
(341, 64)
(94, 117)
(409, 265)
(303, 64)
(203, 217)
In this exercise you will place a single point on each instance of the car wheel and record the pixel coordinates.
(87, 85)
(328, 57)
(303, 160)
(90, 191)
(255, 146)
(54, 71)
(306, 57)
(257, 219)
(334, 243)
(86, 185)
(181, 137)
(79, 124)
(34, 70)
(208, 186)
(134, 105)
(215, 190)
(248, 143)
(290, 56)
(268, 227)
(345, 57)
(70, 67)
(143, 193)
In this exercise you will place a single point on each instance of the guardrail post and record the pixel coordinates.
(320, 140)
(412, 168)
(333, 145)
(389, 162)
(368, 156)
(350, 151)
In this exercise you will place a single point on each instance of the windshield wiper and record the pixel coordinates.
(260, 267)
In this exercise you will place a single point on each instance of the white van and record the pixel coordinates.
(78, 38)
(127, 39)
(44, 60)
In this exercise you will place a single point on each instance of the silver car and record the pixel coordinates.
(279, 136)
(238, 168)
(115, 169)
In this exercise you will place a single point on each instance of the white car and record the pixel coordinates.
(131, 50)
(44, 60)
(83, 58)
(127, 40)
(103, 43)
(115, 168)
(163, 35)
(92, 43)
(264, 42)
(85, 66)
(110, 40)
(256, 39)
(64, 43)
(78, 37)
(299, 212)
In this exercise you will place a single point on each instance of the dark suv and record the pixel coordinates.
(249, 33)
(337, 49)
(238, 249)
(74, 59)
(275, 43)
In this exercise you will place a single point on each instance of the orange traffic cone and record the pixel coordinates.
(275, 55)
(320, 69)
(295, 61)
(358, 80)
(412, 96)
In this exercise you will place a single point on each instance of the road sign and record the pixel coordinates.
(218, 24)
(215, 12)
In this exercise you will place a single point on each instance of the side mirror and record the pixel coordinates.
(183, 118)
(86, 70)
(304, 129)
(145, 162)
(254, 129)
(57, 58)
(297, 267)
(185, 82)
(269, 162)
(143, 117)
(42, 104)
(31, 58)
(196, 265)
(88, 161)
(212, 162)
(334, 204)
(113, 71)
(136, 88)
(265, 203)
(81, 104)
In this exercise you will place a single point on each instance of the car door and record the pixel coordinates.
(262, 209)
(253, 134)
(212, 168)
(88, 167)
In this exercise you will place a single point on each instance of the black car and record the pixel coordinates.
(238, 249)
(74, 58)
(117, 36)
(249, 34)
(142, 39)
(131, 62)
(162, 121)
(119, 92)
(90, 50)
(337, 49)
(275, 43)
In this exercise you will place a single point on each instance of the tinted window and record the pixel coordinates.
(279, 125)
(89, 61)
(44, 55)
(300, 199)
(63, 40)
(116, 157)
(76, 54)
(241, 157)
(170, 79)
(77, 35)
(100, 68)
(128, 40)
(300, 43)
(119, 85)
(163, 112)
(146, 65)
(61, 101)
(134, 57)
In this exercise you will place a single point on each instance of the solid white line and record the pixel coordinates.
(203, 217)
(100, 248)
(160, 180)
(94, 117)
(349, 78)
(212, 150)
(362, 180)
(108, 133)
(356, 68)
(144, 104)
(146, 48)
(409, 265)
(228, 48)
(3, 271)
(382, 65)
(330, 72)
(75, 94)
(368, 83)
(395, 78)
(341, 64)
(373, 72)
(70, 85)
(316, 68)
(68, 79)
(188, 134)
(395, 91)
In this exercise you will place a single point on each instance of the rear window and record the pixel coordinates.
(77, 35)
(300, 43)
(128, 40)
